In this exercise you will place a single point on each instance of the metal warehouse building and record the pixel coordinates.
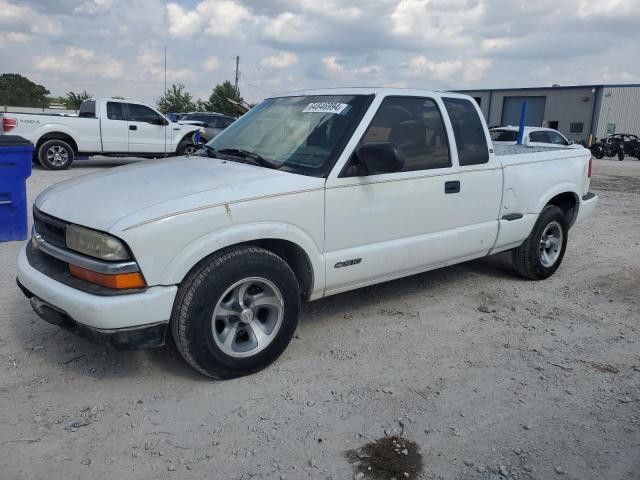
(586, 112)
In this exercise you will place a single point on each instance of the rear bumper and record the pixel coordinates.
(588, 204)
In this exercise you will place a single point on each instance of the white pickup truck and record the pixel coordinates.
(108, 126)
(307, 195)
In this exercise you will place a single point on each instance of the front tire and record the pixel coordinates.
(186, 148)
(56, 155)
(542, 252)
(236, 312)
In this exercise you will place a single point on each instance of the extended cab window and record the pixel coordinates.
(468, 131)
(140, 113)
(114, 111)
(415, 126)
(87, 109)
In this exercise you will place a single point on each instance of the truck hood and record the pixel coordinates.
(140, 192)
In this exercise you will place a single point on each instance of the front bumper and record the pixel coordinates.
(147, 336)
(588, 204)
(106, 314)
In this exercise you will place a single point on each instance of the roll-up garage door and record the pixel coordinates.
(512, 107)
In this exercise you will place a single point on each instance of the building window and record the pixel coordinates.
(576, 127)
(611, 128)
(553, 124)
(478, 100)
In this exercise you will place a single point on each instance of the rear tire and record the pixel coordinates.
(542, 252)
(236, 312)
(56, 155)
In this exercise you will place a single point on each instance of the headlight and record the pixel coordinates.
(95, 244)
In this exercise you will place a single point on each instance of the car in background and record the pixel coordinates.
(533, 136)
(212, 123)
(175, 116)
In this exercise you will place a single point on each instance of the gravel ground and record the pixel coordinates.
(491, 376)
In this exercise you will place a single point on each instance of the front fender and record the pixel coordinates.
(169, 266)
(189, 256)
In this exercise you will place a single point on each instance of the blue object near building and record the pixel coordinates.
(16, 155)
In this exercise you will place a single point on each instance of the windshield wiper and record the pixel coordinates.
(256, 158)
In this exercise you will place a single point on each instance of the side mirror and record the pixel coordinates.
(569, 142)
(379, 157)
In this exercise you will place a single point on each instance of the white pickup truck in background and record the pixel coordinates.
(307, 195)
(108, 127)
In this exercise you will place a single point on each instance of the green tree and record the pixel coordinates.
(219, 99)
(19, 91)
(75, 99)
(176, 99)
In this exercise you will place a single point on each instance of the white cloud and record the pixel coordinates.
(79, 61)
(13, 37)
(211, 63)
(496, 43)
(151, 63)
(93, 7)
(337, 69)
(609, 8)
(281, 60)
(25, 17)
(214, 17)
(288, 27)
(331, 8)
(438, 22)
(470, 69)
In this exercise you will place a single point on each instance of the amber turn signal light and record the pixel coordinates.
(117, 281)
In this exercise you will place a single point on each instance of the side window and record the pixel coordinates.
(415, 126)
(87, 109)
(557, 139)
(114, 111)
(539, 137)
(468, 131)
(140, 113)
(226, 122)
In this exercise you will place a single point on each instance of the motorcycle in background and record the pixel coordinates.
(608, 147)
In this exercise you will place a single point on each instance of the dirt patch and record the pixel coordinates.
(386, 459)
(616, 183)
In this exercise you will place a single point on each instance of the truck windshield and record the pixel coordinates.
(302, 135)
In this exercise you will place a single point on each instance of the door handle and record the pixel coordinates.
(133, 127)
(452, 186)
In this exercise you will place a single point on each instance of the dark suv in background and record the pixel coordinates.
(213, 123)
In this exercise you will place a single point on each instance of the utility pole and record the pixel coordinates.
(237, 73)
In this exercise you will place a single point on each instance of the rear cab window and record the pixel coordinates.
(468, 131)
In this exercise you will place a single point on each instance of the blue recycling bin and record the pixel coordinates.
(16, 155)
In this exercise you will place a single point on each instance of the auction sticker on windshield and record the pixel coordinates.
(325, 107)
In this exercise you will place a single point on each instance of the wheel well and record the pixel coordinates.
(294, 256)
(57, 136)
(188, 135)
(568, 203)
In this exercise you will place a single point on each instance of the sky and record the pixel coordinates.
(116, 47)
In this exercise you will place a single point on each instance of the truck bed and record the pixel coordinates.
(502, 149)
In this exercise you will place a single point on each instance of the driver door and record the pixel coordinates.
(148, 132)
(384, 226)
